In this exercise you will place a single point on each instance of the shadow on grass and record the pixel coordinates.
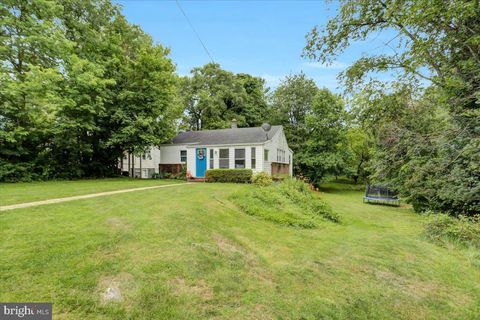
(335, 187)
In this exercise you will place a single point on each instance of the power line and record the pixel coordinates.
(194, 31)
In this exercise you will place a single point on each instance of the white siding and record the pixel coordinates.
(278, 141)
(191, 160)
(146, 164)
(171, 154)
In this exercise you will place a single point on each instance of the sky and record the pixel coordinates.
(262, 38)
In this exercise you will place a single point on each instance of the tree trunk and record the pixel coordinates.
(121, 163)
(128, 169)
(141, 157)
(133, 165)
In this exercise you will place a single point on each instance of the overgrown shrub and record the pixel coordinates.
(290, 202)
(229, 175)
(462, 230)
(262, 179)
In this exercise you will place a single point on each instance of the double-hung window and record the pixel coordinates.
(183, 156)
(254, 158)
(280, 155)
(239, 158)
(223, 161)
(211, 159)
(265, 155)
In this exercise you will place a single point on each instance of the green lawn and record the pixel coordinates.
(13, 193)
(189, 253)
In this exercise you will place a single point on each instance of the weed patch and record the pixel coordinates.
(290, 202)
(463, 230)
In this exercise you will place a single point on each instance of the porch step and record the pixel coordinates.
(196, 179)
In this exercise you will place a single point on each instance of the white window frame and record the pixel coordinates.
(185, 156)
(240, 159)
(227, 159)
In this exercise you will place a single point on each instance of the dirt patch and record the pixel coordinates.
(198, 288)
(254, 268)
(115, 288)
(226, 245)
(117, 223)
(416, 288)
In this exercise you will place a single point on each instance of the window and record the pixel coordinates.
(280, 155)
(183, 155)
(254, 158)
(211, 158)
(147, 155)
(239, 158)
(223, 160)
(265, 155)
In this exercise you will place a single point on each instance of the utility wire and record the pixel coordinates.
(194, 31)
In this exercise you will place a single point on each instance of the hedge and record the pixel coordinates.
(229, 175)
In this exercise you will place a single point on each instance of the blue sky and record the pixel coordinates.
(262, 38)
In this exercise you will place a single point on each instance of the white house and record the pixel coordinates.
(262, 148)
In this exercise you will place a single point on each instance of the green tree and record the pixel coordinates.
(31, 43)
(325, 146)
(213, 97)
(291, 103)
(360, 147)
(438, 42)
(80, 85)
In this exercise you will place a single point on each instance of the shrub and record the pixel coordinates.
(462, 230)
(262, 179)
(290, 203)
(229, 175)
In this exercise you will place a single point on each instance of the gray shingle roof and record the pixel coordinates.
(225, 136)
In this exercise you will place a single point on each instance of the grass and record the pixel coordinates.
(290, 202)
(189, 253)
(13, 193)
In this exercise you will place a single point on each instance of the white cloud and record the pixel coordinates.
(271, 80)
(334, 65)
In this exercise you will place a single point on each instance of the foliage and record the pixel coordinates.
(360, 148)
(262, 179)
(80, 86)
(213, 97)
(291, 102)
(229, 175)
(290, 203)
(325, 150)
(463, 230)
(314, 124)
(435, 167)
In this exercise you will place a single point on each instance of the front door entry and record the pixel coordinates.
(201, 162)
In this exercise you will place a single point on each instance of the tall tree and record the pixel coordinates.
(291, 103)
(32, 46)
(78, 82)
(213, 97)
(324, 149)
(439, 42)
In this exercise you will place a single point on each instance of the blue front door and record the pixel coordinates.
(201, 162)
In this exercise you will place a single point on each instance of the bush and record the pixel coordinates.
(229, 175)
(290, 203)
(262, 179)
(462, 230)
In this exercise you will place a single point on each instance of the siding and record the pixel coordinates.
(171, 154)
(278, 141)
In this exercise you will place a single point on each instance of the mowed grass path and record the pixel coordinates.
(188, 253)
(13, 193)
